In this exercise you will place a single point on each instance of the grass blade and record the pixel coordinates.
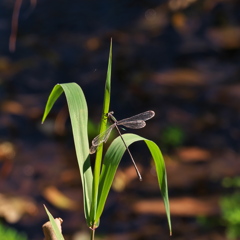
(110, 164)
(79, 116)
(54, 95)
(54, 225)
(98, 160)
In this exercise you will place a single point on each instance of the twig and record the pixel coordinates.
(13, 36)
(15, 17)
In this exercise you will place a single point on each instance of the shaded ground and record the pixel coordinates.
(178, 58)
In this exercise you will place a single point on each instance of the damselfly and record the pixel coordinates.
(134, 122)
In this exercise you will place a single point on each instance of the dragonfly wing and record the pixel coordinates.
(103, 137)
(134, 124)
(141, 116)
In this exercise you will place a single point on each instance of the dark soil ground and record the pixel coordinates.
(179, 58)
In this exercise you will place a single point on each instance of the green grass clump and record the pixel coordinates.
(7, 233)
(97, 182)
(230, 208)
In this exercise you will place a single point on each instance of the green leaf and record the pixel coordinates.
(99, 154)
(79, 117)
(110, 164)
(54, 95)
(54, 225)
(107, 91)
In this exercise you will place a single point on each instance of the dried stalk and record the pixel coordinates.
(48, 230)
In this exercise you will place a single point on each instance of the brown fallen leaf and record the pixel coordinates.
(12, 208)
(178, 77)
(227, 37)
(58, 199)
(183, 206)
(7, 151)
(12, 107)
(123, 178)
(193, 154)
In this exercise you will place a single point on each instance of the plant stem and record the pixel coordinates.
(92, 234)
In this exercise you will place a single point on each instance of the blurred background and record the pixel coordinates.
(180, 58)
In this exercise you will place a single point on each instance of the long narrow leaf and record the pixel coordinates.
(54, 225)
(54, 95)
(79, 116)
(98, 160)
(107, 91)
(110, 164)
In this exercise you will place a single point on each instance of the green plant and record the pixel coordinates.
(96, 184)
(231, 214)
(228, 182)
(172, 136)
(8, 233)
(230, 208)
